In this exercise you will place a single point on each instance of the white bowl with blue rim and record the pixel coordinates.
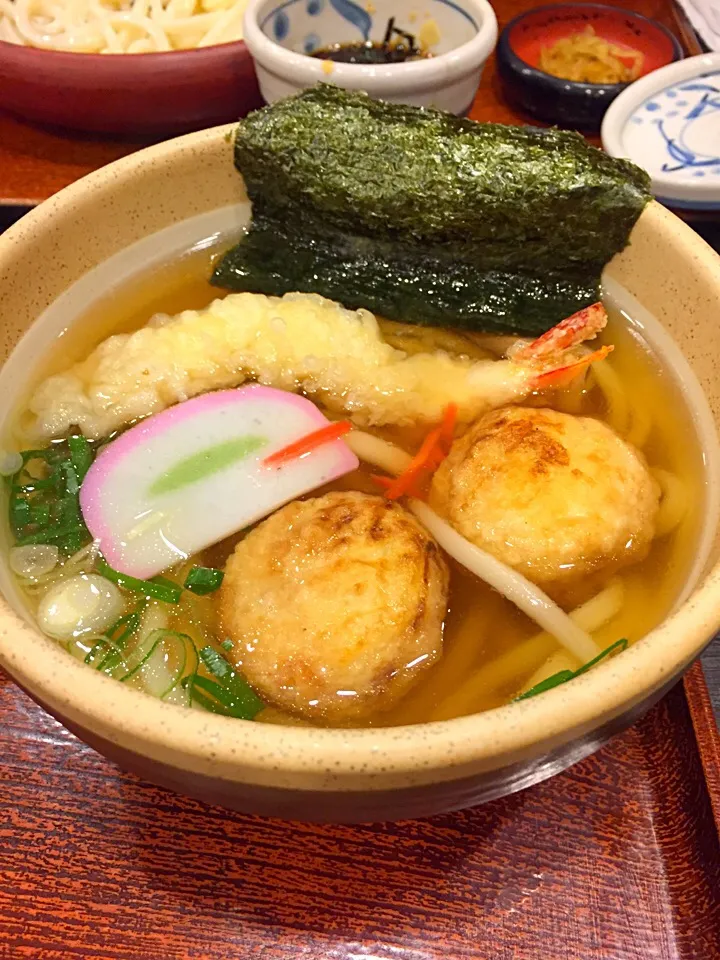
(459, 35)
(669, 123)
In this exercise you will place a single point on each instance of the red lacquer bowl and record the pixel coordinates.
(564, 101)
(150, 94)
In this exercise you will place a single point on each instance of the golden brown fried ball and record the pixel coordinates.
(555, 496)
(335, 605)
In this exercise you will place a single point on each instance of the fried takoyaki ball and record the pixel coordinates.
(556, 497)
(335, 605)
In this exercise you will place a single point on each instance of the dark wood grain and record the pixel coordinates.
(617, 858)
(704, 719)
(711, 666)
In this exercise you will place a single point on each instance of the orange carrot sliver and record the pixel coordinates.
(308, 443)
(381, 481)
(433, 450)
(386, 482)
(447, 427)
(418, 464)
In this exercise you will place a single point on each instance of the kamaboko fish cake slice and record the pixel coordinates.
(188, 477)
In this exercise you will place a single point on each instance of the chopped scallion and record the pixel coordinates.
(203, 580)
(216, 663)
(81, 455)
(44, 505)
(229, 693)
(564, 675)
(121, 631)
(150, 662)
(159, 588)
(216, 698)
(71, 480)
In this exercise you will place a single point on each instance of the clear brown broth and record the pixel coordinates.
(481, 626)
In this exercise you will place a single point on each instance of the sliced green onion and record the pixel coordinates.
(216, 663)
(121, 631)
(203, 580)
(564, 675)
(72, 543)
(618, 646)
(51, 536)
(227, 644)
(48, 454)
(44, 505)
(222, 700)
(154, 651)
(20, 514)
(210, 704)
(229, 693)
(71, 479)
(39, 514)
(104, 656)
(81, 455)
(159, 588)
(35, 484)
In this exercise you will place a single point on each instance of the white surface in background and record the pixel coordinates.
(704, 15)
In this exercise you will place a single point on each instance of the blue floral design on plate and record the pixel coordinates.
(682, 155)
(686, 117)
(281, 25)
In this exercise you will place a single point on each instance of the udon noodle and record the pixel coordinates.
(124, 26)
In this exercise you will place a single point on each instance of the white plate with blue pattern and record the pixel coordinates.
(669, 123)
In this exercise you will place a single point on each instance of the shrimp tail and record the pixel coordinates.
(569, 333)
(562, 376)
(555, 355)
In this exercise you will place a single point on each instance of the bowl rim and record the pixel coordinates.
(64, 57)
(689, 196)
(306, 71)
(247, 751)
(577, 86)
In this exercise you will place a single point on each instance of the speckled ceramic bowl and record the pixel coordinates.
(334, 775)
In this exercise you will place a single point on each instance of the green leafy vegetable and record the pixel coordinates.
(159, 588)
(109, 652)
(44, 505)
(151, 658)
(124, 628)
(564, 675)
(203, 580)
(81, 455)
(425, 217)
(229, 693)
(104, 656)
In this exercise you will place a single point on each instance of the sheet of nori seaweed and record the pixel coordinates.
(426, 217)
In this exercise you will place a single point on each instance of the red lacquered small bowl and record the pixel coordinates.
(565, 101)
(148, 94)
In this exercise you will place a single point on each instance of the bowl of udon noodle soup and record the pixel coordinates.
(126, 68)
(343, 489)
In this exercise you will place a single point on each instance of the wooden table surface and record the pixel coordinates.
(96, 865)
